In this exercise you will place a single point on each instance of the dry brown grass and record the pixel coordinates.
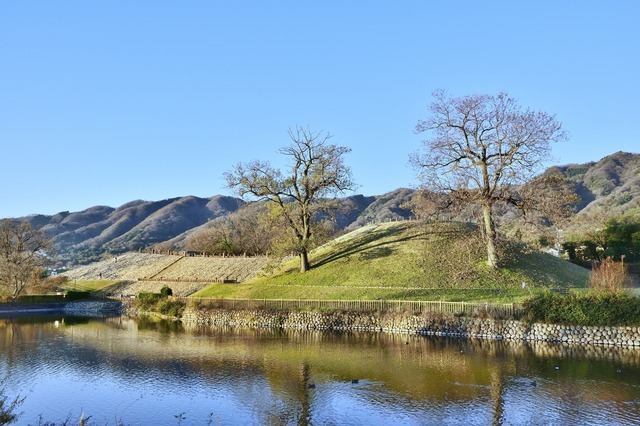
(213, 268)
(133, 266)
(135, 273)
(609, 276)
(128, 266)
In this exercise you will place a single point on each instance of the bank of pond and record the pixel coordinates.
(587, 319)
(145, 370)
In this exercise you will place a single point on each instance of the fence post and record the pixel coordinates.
(381, 304)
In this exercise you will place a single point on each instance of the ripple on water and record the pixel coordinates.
(146, 377)
(581, 402)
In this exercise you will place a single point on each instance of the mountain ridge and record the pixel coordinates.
(610, 185)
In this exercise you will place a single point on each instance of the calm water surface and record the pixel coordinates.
(144, 372)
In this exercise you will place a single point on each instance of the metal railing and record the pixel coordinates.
(417, 306)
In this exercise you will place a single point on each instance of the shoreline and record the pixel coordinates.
(81, 307)
(427, 324)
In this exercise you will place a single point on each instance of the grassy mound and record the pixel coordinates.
(410, 260)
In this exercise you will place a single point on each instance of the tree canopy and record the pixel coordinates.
(297, 195)
(485, 150)
(23, 253)
(619, 239)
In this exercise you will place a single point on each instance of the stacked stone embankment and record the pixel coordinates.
(427, 324)
(93, 307)
(81, 307)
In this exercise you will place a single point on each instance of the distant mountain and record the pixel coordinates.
(385, 207)
(87, 235)
(610, 186)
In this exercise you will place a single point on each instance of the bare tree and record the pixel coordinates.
(484, 150)
(246, 231)
(22, 255)
(215, 239)
(317, 171)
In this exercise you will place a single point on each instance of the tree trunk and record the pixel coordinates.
(304, 261)
(490, 235)
(304, 240)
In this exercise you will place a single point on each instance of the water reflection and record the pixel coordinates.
(149, 371)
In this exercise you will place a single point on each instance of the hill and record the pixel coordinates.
(407, 260)
(609, 187)
(87, 236)
(611, 184)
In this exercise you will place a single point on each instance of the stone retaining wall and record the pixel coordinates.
(80, 307)
(93, 307)
(427, 324)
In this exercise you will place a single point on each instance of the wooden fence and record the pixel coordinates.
(218, 280)
(507, 309)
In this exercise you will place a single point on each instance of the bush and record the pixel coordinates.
(608, 276)
(166, 291)
(172, 308)
(57, 282)
(40, 298)
(488, 311)
(156, 302)
(150, 296)
(583, 309)
(70, 296)
(77, 295)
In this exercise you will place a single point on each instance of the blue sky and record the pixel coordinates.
(104, 102)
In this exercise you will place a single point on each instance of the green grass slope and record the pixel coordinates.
(410, 260)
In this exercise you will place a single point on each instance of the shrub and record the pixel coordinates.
(169, 307)
(77, 295)
(608, 276)
(150, 296)
(156, 302)
(40, 298)
(146, 304)
(488, 311)
(57, 281)
(583, 309)
(166, 291)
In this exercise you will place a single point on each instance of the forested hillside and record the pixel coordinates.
(612, 183)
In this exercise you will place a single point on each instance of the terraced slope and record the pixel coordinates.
(216, 269)
(142, 272)
(128, 266)
(160, 267)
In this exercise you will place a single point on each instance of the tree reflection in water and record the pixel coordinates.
(268, 376)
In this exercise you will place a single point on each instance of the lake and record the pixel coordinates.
(150, 372)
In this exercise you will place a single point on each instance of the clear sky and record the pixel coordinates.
(104, 102)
